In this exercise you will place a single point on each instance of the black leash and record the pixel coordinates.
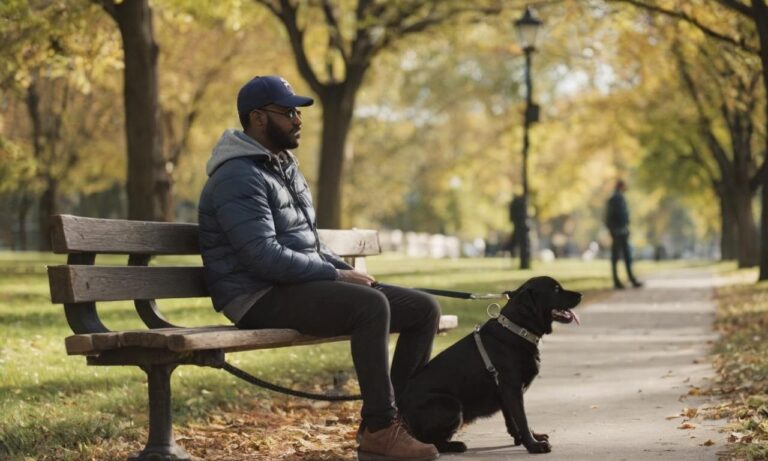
(454, 294)
(245, 376)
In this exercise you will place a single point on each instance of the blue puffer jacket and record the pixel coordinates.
(257, 222)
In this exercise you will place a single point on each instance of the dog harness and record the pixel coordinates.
(486, 360)
(511, 326)
(518, 330)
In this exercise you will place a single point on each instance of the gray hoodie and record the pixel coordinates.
(232, 144)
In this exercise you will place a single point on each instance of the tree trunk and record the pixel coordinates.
(24, 204)
(747, 236)
(760, 16)
(46, 208)
(728, 236)
(338, 106)
(148, 184)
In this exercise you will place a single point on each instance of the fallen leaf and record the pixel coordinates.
(687, 426)
(690, 412)
(708, 443)
(694, 391)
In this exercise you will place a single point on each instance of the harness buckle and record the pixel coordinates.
(495, 373)
(523, 332)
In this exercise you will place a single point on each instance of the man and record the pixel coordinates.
(266, 268)
(617, 220)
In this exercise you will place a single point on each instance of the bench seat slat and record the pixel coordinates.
(224, 337)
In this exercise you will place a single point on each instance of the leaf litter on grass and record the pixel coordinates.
(741, 361)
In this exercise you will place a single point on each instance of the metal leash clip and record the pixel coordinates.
(489, 310)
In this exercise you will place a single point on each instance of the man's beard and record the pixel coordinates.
(280, 138)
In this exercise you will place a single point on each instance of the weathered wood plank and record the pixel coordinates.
(80, 344)
(224, 337)
(74, 234)
(76, 284)
(351, 242)
(448, 322)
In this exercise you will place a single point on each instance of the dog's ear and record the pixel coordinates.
(524, 296)
(530, 298)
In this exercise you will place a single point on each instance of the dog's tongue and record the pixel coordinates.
(575, 317)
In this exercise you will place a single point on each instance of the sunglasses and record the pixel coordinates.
(291, 114)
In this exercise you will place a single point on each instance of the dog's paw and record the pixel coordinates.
(540, 437)
(451, 447)
(538, 447)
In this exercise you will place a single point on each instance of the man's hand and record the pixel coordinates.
(353, 276)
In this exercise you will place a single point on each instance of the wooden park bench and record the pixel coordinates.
(158, 350)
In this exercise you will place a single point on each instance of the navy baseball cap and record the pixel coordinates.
(270, 89)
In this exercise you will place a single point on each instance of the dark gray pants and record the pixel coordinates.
(368, 315)
(620, 248)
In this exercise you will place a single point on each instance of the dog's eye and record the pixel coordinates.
(557, 288)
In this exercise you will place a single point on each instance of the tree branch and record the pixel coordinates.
(399, 29)
(705, 124)
(708, 31)
(337, 40)
(109, 7)
(287, 13)
(761, 175)
(270, 6)
(696, 157)
(737, 6)
(208, 78)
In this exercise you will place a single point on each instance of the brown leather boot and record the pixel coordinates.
(394, 443)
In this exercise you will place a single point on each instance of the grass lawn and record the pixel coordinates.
(54, 407)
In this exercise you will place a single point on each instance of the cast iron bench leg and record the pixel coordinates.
(161, 446)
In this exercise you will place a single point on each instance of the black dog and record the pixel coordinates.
(457, 387)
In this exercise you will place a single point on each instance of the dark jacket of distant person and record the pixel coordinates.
(617, 214)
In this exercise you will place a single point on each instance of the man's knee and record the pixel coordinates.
(430, 308)
(374, 306)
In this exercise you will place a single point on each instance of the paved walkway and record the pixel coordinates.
(607, 387)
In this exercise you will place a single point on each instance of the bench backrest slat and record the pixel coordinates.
(78, 284)
(351, 242)
(75, 234)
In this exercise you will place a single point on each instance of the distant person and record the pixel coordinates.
(617, 220)
(517, 217)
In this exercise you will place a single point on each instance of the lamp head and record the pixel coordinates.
(528, 27)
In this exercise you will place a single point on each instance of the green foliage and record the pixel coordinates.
(56, 81)
(16, 166)
(436, 138)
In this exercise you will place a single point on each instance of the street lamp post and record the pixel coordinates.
(527, 28)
